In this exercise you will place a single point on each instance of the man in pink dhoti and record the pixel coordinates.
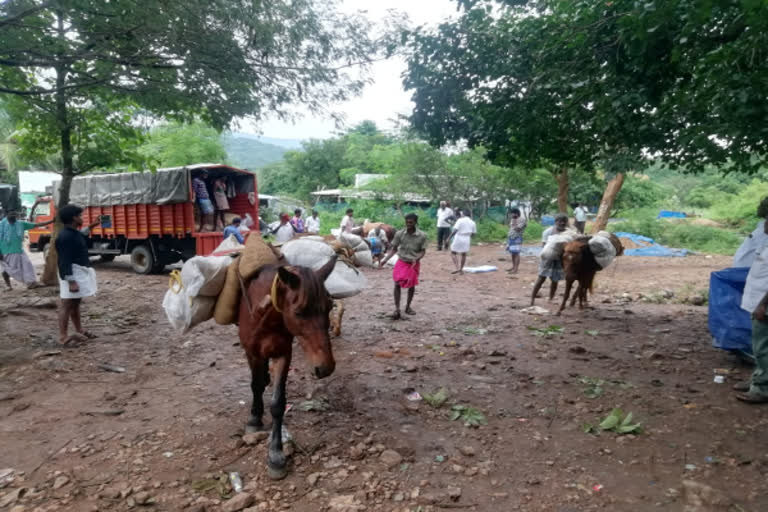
(410, 244)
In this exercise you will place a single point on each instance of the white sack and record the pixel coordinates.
(304, 252)
(349, 240)
(345, 281)
(553, 249)
(204, 275)
(176, 306)
(602, 249)
(200, 309)
(364, 258)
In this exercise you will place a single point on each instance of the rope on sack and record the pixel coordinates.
(174, 280)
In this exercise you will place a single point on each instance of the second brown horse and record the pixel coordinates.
(278, 304)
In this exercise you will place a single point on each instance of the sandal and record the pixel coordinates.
(88, 334)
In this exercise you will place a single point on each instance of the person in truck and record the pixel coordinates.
(201, 196)
(76, 277)
(14, 262)
(234, 229)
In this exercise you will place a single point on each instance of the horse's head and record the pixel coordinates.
(573, 254)
(306, 304)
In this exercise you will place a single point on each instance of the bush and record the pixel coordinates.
(489, 230)
(740, 211)
(533, 232)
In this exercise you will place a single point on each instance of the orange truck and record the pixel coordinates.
(154, 218)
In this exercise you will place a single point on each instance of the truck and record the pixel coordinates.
(154, 218)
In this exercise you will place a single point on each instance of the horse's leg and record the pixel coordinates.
(568, 285)
(576, 293)
(276, 461)
(259, 378)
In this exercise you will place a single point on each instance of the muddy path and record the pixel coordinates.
(81, 436)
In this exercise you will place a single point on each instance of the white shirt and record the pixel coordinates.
(580, 213)
(546, 233)
(465, 227)
(347, 224)
(757, 280)
(313, 225)
(284, 233)
(745, 256)
(443, 214)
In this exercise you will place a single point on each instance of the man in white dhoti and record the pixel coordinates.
(14, 261)
(76, 277)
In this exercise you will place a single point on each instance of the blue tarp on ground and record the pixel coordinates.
(730, 326)
(667, 214)
(547, 220)
(651, 248)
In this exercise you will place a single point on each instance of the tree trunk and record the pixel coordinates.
(612, 189)
(562, 191)
(51, 272)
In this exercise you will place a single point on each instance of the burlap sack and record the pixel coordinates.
(255, 255)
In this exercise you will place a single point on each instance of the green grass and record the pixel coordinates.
(682, 236)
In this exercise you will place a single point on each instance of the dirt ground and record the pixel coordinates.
(159, 434)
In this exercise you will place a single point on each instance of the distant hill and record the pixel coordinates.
(253, 152)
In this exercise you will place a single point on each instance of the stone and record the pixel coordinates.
(196, 508)
(142, 498)
(357, 452)
(390, 458)
(344, 503)
(237, 502)
(700, 497)
(60, 482)
(18, 508)
(454, 493)
(398, 496)
(12, 497)
(254, 438)
(467, 451)
(313, 478)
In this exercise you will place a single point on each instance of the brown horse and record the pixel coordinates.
(278, 304)
(579, 265)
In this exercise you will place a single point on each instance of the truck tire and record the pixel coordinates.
(142, 260)
(106, 258)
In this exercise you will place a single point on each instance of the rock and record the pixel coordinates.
(196, 508)
(18, 508)
(110, 493)
(467, 451)
(254, 438)
(344, 503)
(454, 493)
(313, 478)
(142, 498)
(700, 497)
(333, 463)
(577, 349)
(357, 452)
(429, 498)
(471, 471)
(237, 502)
(698, 300)
(60, 482)
(398, 496)
(12, 497)
(390, 458)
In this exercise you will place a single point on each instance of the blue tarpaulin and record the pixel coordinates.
(730, 326)
(547, 220)
(667, 214)
(650, 248)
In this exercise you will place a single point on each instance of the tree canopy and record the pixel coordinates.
(83, 72)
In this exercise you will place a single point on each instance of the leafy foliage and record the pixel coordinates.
(546, 332)
(470, 416)
(436, 399)
(620, 423)
(593, 387)
(176, 144)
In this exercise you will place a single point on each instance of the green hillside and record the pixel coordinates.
(249, 153)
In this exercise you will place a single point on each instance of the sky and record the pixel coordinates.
(384, 98)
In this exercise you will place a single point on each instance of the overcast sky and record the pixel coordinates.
(382, 100)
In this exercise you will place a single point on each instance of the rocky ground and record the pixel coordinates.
(145, 418)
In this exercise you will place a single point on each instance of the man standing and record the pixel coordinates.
(76, 277)
(444, 216)
(313, 223)
(348, 222)
(552, 269)
(203, 199)
(234, 229)
(462, 234)
(410, 244)
(580, 217)
(754, 300)
(14, 262)
(297, 222)
(284, 230)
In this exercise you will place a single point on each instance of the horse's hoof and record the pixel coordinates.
(277, 473)
(251, 429)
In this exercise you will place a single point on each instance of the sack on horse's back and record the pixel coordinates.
(256, 254)
(205, 275)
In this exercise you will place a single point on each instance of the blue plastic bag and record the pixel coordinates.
(667, 214)
(730, 326)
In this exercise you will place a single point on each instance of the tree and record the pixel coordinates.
(175, 144)
(81, 72)
(68, 62)
(597, 83)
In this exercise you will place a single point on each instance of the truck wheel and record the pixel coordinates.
(142, 261)
(106, 258)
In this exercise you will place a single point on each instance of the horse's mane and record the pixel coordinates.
(312, 293)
